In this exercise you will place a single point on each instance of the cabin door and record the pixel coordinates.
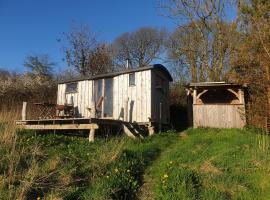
(103, 96)
(108, 97)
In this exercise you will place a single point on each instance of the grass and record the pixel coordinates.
(214, 164)
(197, 164)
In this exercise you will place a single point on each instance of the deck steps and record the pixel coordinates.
(132, 131)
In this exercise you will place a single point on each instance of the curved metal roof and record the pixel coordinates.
(126, 71)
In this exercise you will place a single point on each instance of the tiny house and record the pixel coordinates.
(138, 95)
(216, 104)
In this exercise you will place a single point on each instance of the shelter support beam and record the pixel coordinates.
(194, 96)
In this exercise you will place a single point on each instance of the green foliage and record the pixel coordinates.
(214, 164)
(201, 163)
(123, 175)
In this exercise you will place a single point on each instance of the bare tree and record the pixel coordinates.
(85, 54)
(202, 40)
(81, 42)
(251, 61)
(100, 60)
(140, 48)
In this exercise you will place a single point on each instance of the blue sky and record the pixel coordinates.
(30, 27)
(33, 26)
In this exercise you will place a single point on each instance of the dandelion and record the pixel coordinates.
(171, 162)
(165, 176)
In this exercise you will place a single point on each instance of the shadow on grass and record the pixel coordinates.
(104, 132)
(143, 156)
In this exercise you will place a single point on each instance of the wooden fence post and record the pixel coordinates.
(24, 110)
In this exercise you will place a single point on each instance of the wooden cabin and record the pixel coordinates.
(216, 104)
(133, 99)
(138, 95)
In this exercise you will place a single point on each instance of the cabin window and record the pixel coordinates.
(132, 79)
(71, 87)
(160, 83)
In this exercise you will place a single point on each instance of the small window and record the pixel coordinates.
(132, 79)
(71, 87)
(160, 83)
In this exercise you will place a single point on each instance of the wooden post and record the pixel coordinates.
(92, 135)
(194, 96)
(24, 110)
(92, 132)
(241, 96)
(151, 130)
(189, 107)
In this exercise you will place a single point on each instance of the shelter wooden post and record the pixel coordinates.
(189, 106)
(24, 111)
(194, 96)
(93, 128)
(241, 96)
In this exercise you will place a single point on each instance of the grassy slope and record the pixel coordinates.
(202, 164)
(214, 164)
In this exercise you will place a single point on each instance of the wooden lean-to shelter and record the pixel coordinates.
(133, 96)
(216, 104)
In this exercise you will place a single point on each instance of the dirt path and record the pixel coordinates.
(146, 191)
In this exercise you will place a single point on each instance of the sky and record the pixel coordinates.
(31, 27)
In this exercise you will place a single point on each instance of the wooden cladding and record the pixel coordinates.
(219, 116)
(138, 103)
(217, 105)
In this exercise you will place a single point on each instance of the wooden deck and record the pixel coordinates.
(131, 129)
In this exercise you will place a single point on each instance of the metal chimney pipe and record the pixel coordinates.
(127, 64)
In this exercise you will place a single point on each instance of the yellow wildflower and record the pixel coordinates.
(38, 198)
(165, 176)
(171, 162)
